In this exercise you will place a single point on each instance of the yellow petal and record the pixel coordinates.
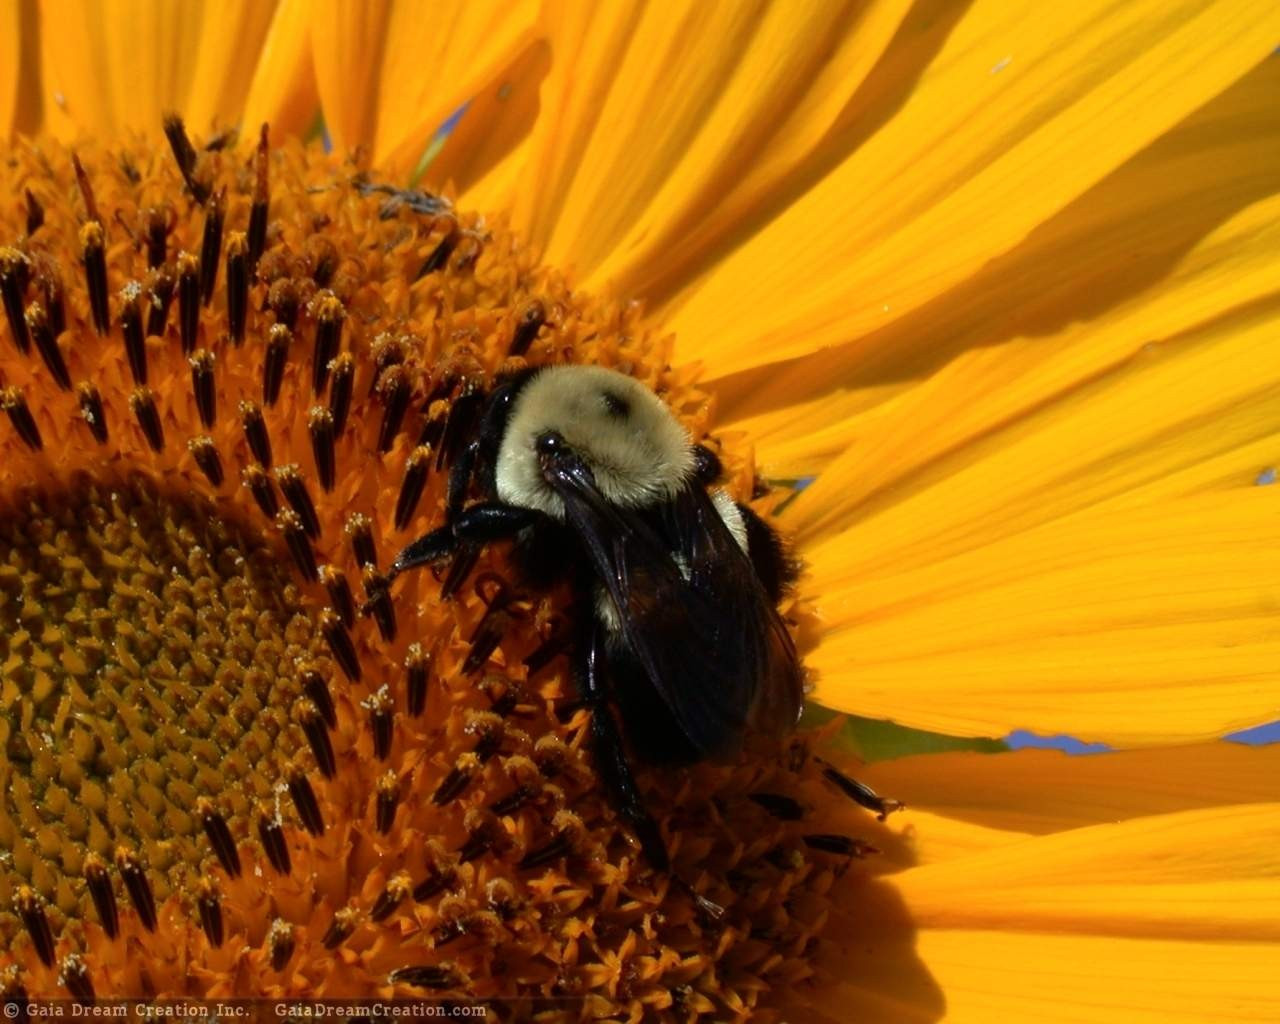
(1179, 906)
(660, 119)
(800, 427)
(1145, 402)
(869, 968)
(947, 478)
(1024, 109)
(390, 73)
(1132, 625)
(1167, 240)
(1041, 791)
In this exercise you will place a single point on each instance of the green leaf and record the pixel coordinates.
(871, 739)
(429, 153)
(316, 131)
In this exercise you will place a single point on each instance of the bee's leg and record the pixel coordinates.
(464, 560)
(476, 525)
(462, 424)
(611, 759)
(475, 462)
(471, 531)
(491, 520)
(459, 480)
(860, 792)
(434, 547)
(431, 549)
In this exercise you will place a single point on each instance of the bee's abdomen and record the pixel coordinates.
(774, 567)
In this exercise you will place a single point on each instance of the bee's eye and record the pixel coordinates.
(549, 443)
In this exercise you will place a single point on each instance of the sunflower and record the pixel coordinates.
(1000, 277)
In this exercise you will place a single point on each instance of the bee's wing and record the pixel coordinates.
(721, 571)
(711, 644)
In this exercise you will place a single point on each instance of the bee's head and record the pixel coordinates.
(636, 452)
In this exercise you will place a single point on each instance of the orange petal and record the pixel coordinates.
(1196, 875)
(484, 155)
(225, 61)
(908, 838)
(28, 102)
(75, 62)
(978, 976)
(282, 92)
(923, 837)
(10, 63)
(1172, 917)
(389, 73)
(346, 42)
(1023, 110)
(118, 65)
(1041, 791)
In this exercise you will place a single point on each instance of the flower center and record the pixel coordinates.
(144, 700)
(234, 382)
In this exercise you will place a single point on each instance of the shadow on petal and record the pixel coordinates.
(868, 968)
(1115, 242)
(878, 98)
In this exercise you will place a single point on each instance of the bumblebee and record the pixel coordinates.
(677, 643)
